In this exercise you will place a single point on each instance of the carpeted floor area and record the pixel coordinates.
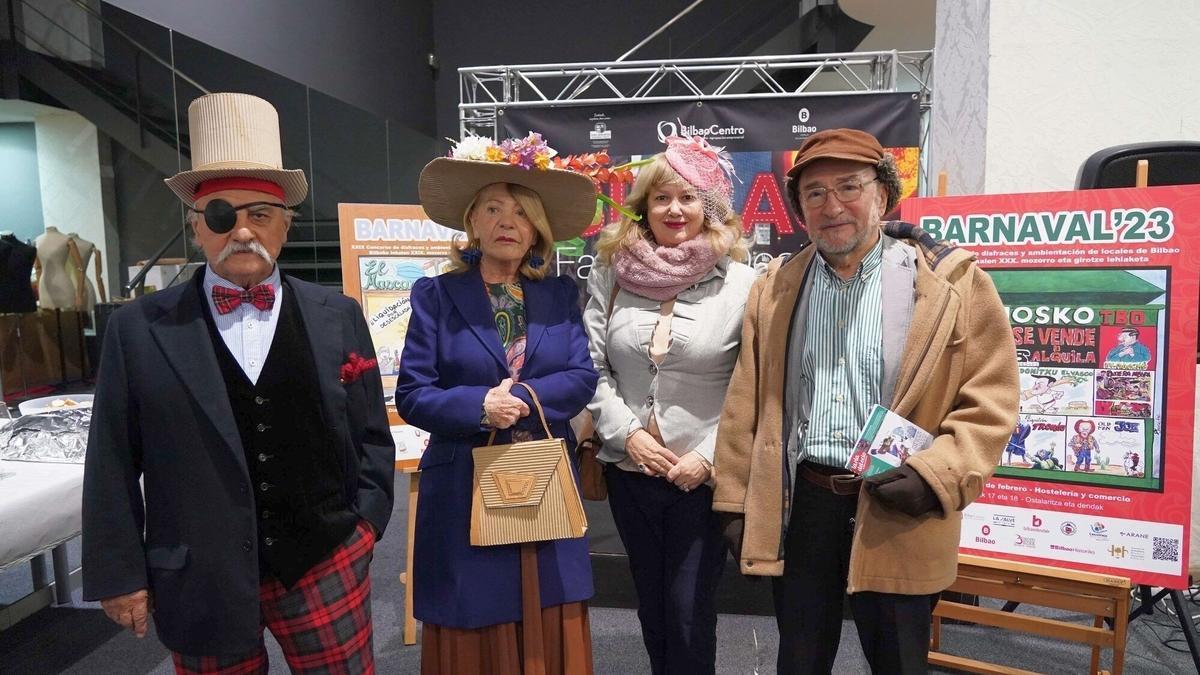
(79, 639)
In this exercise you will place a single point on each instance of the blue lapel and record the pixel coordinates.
(182, 335)
(467, 291)
(539, 297)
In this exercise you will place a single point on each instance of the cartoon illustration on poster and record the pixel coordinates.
(1086, 347)
(385, 283)
(1100, 290)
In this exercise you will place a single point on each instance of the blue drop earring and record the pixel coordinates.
(536, 261)
(471, 255)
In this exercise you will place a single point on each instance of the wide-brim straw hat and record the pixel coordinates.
(447, 187)
(236, 135)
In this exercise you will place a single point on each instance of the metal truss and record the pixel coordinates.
(485, 91)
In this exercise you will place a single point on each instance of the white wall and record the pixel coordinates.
(69, 172)
(1061, 80)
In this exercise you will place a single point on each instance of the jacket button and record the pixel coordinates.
(269, 541)
(749, 563)
(653, 368)
(262, 456)
(247, 546)
(264, 486)
(649, 401)
(259, 400)
(266, 515)
(261, 427)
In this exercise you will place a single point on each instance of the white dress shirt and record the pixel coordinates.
(247, 330)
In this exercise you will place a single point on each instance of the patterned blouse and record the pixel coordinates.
(508, 309)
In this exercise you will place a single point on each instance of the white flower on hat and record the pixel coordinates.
(472, 147)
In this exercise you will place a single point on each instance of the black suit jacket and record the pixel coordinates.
(162, 427)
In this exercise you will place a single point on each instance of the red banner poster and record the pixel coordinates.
(1101, 291)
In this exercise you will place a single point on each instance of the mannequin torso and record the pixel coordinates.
(56, 290)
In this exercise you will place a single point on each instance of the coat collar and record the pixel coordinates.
(181, 332)
(466, 290)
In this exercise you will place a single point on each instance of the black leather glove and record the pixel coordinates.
(902, 489)
(732, 527)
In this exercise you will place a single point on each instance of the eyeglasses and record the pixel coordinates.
(846, 192)
(220, 216)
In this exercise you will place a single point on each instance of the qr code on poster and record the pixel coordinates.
(1166, 549)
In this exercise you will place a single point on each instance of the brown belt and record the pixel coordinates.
(837, 481)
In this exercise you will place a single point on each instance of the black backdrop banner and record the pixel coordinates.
(762, 135)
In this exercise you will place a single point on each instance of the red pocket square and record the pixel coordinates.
(354, 367)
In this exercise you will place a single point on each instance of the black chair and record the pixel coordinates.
(1171, 163)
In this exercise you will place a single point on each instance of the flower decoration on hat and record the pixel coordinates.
(707, 168)
(529, 153)
(598, 167)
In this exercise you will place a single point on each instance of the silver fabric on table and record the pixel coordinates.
(60, 436)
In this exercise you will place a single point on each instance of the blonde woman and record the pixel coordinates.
(665, 320)
(493, 320)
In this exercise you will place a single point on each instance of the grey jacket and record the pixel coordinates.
(687, 390)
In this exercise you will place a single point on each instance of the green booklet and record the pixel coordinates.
(886, 441)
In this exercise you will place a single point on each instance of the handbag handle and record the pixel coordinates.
(536, 404)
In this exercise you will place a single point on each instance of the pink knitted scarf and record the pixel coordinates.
(661, 272)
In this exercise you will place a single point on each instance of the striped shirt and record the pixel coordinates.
(842, 360)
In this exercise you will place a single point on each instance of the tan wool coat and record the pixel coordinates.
(957, 379)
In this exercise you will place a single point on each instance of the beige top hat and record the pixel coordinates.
(236, 135)
(449, 184)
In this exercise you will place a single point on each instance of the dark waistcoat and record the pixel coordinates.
(295, 471)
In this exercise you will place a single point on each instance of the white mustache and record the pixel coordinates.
(245, 247)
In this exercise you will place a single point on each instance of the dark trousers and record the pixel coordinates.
(893, 628)
(676, 555)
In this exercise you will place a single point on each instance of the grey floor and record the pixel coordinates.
(79, 639)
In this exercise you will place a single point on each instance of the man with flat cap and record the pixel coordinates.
(244, 411)
(871, 313)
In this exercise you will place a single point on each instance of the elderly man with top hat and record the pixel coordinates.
(872, 313)
(240, 466)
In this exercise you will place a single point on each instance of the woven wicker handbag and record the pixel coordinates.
(525, 492)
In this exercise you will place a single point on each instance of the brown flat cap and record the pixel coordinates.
(852, 144)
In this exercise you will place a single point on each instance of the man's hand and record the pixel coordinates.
(902, 489)
(131, 610)
(652, 458)
(501, 407)
(689, 472)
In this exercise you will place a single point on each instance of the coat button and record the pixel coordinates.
(266, 515)
(653, 368)
(261, 427)
(649, 401)
(247, 546)
(259, 400)
(749, 563)
(264, 486)
(269, 541)
(262, 456)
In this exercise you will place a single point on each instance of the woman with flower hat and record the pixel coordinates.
(665, 320)
(493, 320)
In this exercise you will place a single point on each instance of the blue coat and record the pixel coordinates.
(452, 357)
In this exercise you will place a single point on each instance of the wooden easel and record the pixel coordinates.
(1105, 597)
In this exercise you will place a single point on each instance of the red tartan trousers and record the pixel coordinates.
(323, 623)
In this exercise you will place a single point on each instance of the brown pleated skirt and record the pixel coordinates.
(564, 647)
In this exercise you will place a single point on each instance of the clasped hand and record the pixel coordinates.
(501, 408)
(686, 473)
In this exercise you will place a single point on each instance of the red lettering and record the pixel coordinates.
(765, 186)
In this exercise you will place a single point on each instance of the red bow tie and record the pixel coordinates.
(261, 296)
